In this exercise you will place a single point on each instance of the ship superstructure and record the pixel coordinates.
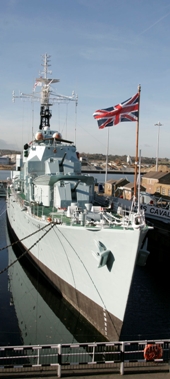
(87, 252)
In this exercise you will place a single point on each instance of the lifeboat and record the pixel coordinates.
(39, 136)
(57, 135)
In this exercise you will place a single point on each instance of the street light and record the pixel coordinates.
(157, 155)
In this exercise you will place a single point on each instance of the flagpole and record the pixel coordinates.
(137, 142)
(139, 181)
(107, 152)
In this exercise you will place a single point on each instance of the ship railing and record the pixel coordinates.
(17, 198)
(120, 357)
(123, 217)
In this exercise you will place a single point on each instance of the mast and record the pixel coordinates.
(45, 113)
(157, 154)
(46, 97)
(137, 142)
(107, 152)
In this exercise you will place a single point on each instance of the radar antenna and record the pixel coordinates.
(46, 97)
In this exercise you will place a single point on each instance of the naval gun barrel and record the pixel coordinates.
(61, 163)
(76, 185)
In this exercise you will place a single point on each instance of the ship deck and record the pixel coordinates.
(59, 216)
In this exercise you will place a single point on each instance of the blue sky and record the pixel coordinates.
(101, 49)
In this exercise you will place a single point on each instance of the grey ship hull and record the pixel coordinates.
(66, 257)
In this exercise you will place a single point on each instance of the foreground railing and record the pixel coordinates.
(110, 355)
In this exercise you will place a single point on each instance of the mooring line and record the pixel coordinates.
(22, 239)
(104, 306)
(26, 251)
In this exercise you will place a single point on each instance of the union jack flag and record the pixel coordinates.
(125, 111)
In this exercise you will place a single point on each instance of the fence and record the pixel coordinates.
(117, 356)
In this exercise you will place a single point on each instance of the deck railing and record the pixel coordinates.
(114, 356)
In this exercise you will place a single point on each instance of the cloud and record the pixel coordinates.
(155, 23)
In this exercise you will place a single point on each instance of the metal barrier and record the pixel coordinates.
(112, 355)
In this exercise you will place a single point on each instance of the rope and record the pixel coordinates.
(3, 212)
(104, 306)
(26, 251)
(22, 239)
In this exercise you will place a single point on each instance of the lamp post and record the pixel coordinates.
(157, 155)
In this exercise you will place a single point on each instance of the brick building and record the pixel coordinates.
(157, 181)
(112, 186)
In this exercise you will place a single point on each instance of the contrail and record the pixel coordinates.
(151, 26)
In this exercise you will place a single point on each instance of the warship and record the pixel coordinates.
(84, 250)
